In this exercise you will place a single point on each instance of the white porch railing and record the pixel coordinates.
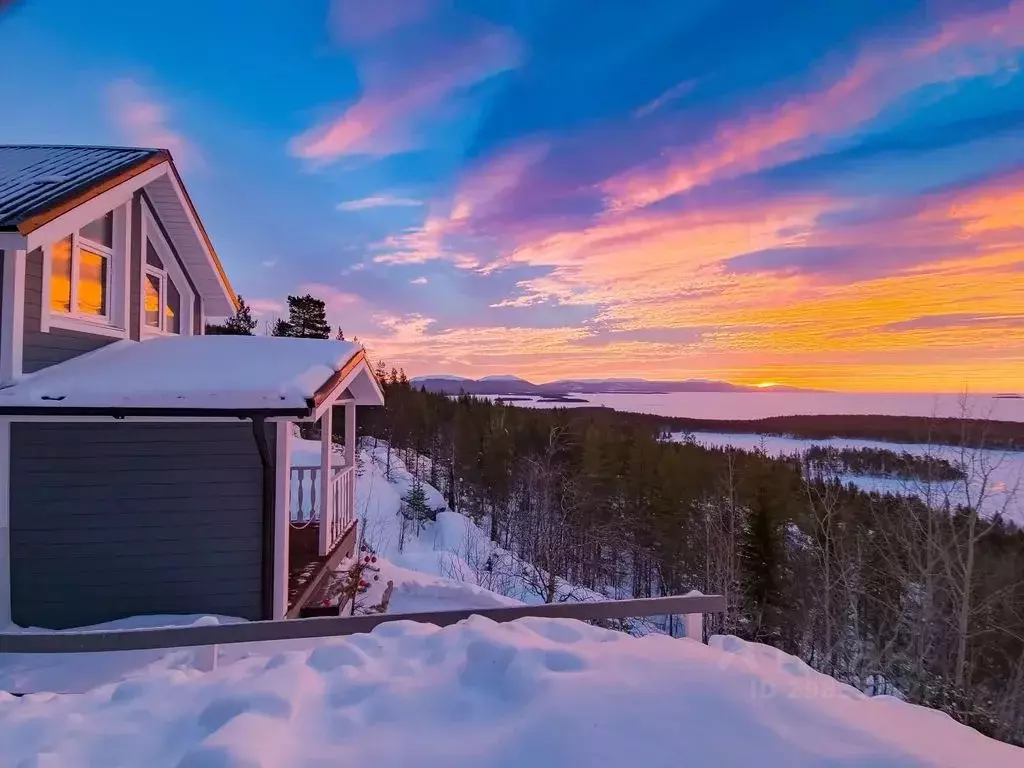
(307, 502)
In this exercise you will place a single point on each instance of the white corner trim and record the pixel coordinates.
(282, 516)
(12, 317)
(5, 522)
(45, 310)
(326, 478)
(92, 209)
(120, 287)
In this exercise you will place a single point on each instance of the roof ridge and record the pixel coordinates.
(107, 147)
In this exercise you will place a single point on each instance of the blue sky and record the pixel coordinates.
(817, 193)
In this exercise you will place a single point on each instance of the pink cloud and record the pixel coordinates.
(480, 189)
(488, 182)
(981, 45)
(381, 120)
(143, 120)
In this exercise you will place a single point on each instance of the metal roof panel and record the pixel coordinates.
(36, 178)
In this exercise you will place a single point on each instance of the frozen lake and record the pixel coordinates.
(1003, 492)
(760, 405)
(1005, 469)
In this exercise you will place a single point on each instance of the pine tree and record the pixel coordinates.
(282, 328)
(341, 334)
(239, 324)
(415, 506)
(307, 319)
(762, 554)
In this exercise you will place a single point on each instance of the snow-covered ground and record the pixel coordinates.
(531, 693)
(452, 548)
(535, 692)
(1000, 473)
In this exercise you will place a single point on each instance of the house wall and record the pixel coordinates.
(120, 519)
(42, 349)
(1, 283)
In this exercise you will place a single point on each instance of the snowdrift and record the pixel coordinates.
(531, 693)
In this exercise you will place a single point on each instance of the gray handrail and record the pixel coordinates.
(297, 629)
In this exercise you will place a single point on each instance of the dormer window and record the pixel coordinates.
(80, 270)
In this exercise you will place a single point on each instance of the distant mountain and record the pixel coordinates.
(515, 379)
(513, 385)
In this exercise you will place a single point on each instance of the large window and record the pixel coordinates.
(80, 270)
(161, 298)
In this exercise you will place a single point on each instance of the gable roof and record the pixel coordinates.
(37, 179)
(40, 183)
(201, 375)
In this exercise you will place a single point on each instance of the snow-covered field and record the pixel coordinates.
(535, 692)
(761, 405)
(997, 476)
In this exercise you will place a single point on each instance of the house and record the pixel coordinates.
(144, 467)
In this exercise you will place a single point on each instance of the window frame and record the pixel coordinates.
(112, 321)
(171, 271)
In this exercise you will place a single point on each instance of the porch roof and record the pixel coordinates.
(199, 375)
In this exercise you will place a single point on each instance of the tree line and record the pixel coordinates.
(880, 590)
(307, 319)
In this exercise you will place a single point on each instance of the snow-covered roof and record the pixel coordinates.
(35, 178)
(222, 373)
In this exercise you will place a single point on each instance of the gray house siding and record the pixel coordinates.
(43, 349)
(119, 519)
(1, 283)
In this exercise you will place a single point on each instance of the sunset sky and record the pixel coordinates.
(824, 194)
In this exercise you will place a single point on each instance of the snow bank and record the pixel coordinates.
(531, 693)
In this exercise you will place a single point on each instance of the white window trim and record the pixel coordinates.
(114, 322)
(151, 232)
(78, 217)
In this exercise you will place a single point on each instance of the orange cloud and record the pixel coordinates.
(952, 322)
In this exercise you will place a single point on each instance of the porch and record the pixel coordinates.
(321, 509)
